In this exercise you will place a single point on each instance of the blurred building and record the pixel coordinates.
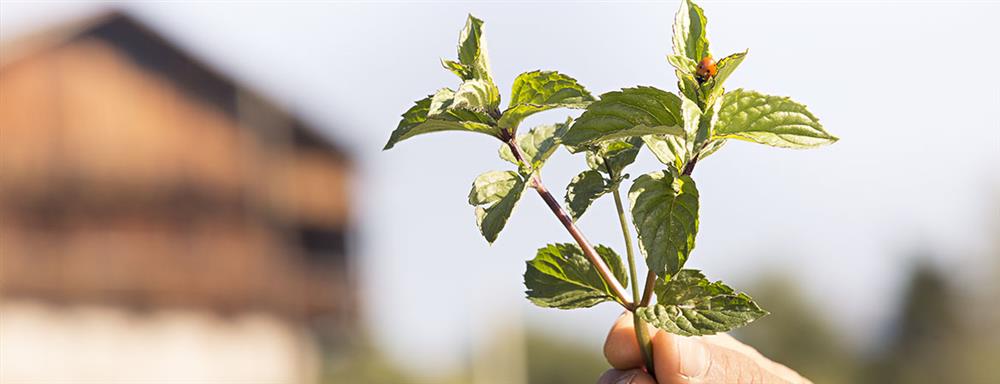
(160, 222)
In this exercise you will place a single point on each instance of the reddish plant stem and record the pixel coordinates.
(574, 231)
(647, 292)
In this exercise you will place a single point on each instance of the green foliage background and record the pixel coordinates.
(929, 339)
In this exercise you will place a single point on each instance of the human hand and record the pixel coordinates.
(689, 360)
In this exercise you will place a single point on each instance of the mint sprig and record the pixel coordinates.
(679, 129)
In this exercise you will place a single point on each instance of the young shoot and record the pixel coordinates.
(680, 129)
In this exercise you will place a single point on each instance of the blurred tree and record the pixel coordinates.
(922, 343)
(550, 360)
(364, 363)
(796, 335)
(555, 360)
(940, 336)
(981, 347)
(943, 334)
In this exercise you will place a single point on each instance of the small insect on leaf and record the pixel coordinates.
(706, 69)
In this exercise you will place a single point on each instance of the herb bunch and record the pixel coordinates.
(679, 129)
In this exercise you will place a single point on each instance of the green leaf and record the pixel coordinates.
(619, 154)
(630, 112)
(772, 120)
(688, 85)
(607, 162)
(726, 67)
(665, 213)
(690, 305)
(538, 144)
(436, 113)
(477, 95)
(687, 285)
(692, 116)
(683, 64)
(561, 277)
(706, 124)
(441, 101)
(474, 65)
(612, 156)
(412, 118)
(492, 186)
(495, 194)
(443, 107)
(712, 89)
(675, 151)
(538, 91)
(711, 147)
(690, 45)
(689, 32)
(584, 189)
(463, 71)
(472, 49)
(669, 150)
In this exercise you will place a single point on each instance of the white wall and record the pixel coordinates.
(42, 343)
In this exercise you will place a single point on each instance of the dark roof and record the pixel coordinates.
(151, 51)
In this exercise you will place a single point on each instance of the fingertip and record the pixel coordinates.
(632, 376)
(680, 359)
(621, 348)
(643, 378)
(665, 358)
(710, 359)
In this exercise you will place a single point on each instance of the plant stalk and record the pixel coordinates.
(647, 293)
(574, 231)
(641, 332)
(628, 246)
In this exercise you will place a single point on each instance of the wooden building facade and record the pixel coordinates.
(138, 180)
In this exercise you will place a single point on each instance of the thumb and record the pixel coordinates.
(714, 359)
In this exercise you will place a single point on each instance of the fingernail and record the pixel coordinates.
(693, 355)
(627, 378)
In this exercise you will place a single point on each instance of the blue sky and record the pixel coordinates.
(909, 87)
